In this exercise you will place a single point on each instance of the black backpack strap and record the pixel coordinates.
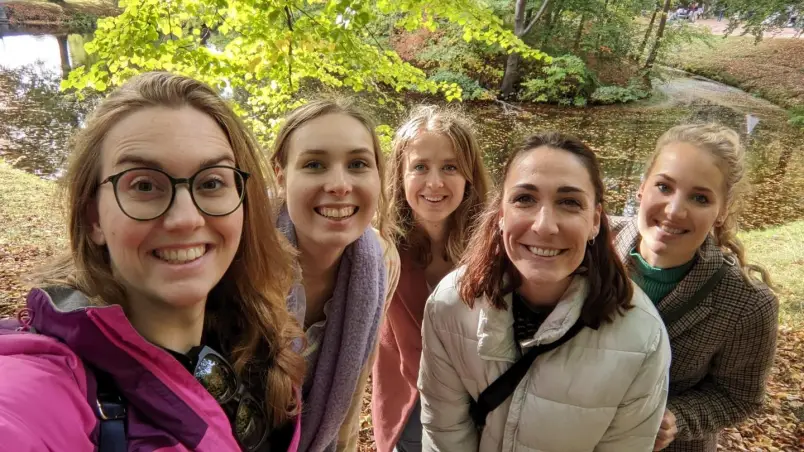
(673, 316)
(505, 385)
(111, 411)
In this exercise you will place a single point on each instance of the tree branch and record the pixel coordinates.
(535, 18)
(290, 48)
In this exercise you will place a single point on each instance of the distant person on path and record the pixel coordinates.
(330, 168)
(165, 327)
(438, 186)
(541, 289)
(683, 251)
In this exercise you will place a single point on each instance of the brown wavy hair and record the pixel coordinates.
(450, 123)
(317, 108)
(724, 144)
(247, 307)
(490, 273)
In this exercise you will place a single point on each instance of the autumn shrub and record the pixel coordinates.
(471, 88)
(566, 81)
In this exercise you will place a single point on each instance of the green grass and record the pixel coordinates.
(29, 211)
(781, 251)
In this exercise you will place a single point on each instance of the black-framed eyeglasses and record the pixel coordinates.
(145, 194)
(250, 423)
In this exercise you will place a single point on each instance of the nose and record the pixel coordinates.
(183, 214)
(434, 180)
(675, 208)
(338, 183)
(545, 222)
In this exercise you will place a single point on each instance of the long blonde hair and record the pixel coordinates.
(322, 107)
(247, 307)
(451, 124)
(724, 144)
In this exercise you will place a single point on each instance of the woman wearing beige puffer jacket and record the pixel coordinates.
(540, 260)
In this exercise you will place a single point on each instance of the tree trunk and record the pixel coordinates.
(576, 46)
(647, 34)
(521, 28)
(551, 25)
(656, 44)
(64, 52)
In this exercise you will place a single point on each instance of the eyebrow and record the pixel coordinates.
(561, 189)
(132, 159)
(696, 188)
(310, 152)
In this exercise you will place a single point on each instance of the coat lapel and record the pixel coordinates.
(708, 261)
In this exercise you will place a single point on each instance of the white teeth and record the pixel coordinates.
(544, 252)
(670, 230)
(434, 199)
(341, 212)
(181, 256)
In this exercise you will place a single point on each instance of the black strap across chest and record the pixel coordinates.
(502, 388)
(111, 412)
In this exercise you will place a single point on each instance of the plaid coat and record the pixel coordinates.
(722, 350)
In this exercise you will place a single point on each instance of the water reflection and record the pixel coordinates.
(36, 119)
(624, 137)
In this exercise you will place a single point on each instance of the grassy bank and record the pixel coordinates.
(772, 69)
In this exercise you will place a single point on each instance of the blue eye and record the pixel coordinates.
(358, 164)
(450, 168)
(419, 168)
(314, 165)
(663, 187)
(700, 199)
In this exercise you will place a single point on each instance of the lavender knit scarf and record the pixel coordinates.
(349, 336)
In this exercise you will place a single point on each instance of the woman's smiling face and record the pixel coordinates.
(681, 199)
(549, 213)
(331, 181)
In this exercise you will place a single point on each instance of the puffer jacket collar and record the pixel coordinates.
(495, 326)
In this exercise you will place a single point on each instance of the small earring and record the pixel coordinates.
(591, 242)
(501, 224)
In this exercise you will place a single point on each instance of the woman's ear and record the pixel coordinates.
(93, 219)
(596, 221)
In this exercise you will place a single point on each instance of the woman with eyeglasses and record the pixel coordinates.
(682, 250)
(165, 326)
(330, 168)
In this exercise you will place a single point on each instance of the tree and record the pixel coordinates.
(759, 16)
(641, 49)
(264, 52)
(521, 28)
(659, 33)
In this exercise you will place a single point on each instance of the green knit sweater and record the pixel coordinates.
(657, 282)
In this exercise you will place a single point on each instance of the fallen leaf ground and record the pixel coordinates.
(31, 231)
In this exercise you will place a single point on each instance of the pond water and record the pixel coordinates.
(36, 121)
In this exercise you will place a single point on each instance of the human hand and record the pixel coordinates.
(667, 431)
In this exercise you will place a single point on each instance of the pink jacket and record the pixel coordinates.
(47, 394)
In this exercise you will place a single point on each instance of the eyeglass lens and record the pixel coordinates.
(146, 193)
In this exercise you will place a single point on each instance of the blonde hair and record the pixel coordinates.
(724, 144)
(451, 124)
(317, 108)
(247, 307)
